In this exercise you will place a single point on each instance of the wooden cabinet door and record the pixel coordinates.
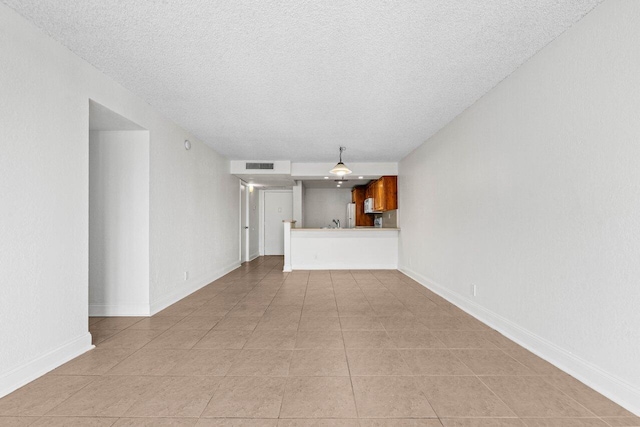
(390, 190)
(379, 195)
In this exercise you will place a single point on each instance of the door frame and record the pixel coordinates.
(244, 193)
(261, 219)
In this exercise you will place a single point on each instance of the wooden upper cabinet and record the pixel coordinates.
(358, 194)
(390, 192)
(385, 193)
(368, 191)
(379, 196)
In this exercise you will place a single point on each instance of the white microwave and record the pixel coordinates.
(369, 206)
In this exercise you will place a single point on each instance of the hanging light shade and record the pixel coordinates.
(340, 169)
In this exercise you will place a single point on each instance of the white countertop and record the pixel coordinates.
(348, 229)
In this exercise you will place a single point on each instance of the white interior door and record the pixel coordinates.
(278, 206)
(244, 226)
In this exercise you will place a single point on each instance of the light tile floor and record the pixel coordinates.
(343, 348)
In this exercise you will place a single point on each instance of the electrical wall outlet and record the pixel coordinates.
(186, 275)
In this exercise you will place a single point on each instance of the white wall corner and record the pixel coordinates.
(114, 310)
(608, 385)
(33, 369)
(190, 287)
(298, 201)
(287, 246)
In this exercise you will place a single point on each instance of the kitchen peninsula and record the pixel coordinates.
(357, 248)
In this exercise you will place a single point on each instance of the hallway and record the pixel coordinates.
(363, 348)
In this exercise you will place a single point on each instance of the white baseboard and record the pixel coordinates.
(17, 377)
(113, 310)
(190, 287)
(614, 388)
(253, 256)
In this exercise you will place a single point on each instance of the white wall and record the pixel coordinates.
(322, 205)
(533, 195)
(194, 217)
(44, 108)
(118, 223)
(303, 194)
(298, 199)
(278, 206)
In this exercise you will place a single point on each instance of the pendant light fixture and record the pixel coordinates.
(340, 169)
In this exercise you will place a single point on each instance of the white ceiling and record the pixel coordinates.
(295, 79)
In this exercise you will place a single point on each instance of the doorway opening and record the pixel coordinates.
(118, 215)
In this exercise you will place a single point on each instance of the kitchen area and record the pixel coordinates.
(374, 204)
(319, 218)
(345, 225)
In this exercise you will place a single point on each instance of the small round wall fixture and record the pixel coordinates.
(187, 144)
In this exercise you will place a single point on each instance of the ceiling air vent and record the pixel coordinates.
(259, 166)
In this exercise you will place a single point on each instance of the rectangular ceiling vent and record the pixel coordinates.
(259, 166)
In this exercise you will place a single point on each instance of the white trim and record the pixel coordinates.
(244, 257)
(247, 212)
(33, 369)
(192, 286)
(240, 254)
(109, 310)
(261, 223)
(253, 256)
(612, 387)
(247, 221)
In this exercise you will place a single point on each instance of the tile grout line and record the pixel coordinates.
(420, 390)
(225, 375)
(286, 381)
(346, 356)
(255, 283)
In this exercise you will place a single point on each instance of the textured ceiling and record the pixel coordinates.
(295, 79)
